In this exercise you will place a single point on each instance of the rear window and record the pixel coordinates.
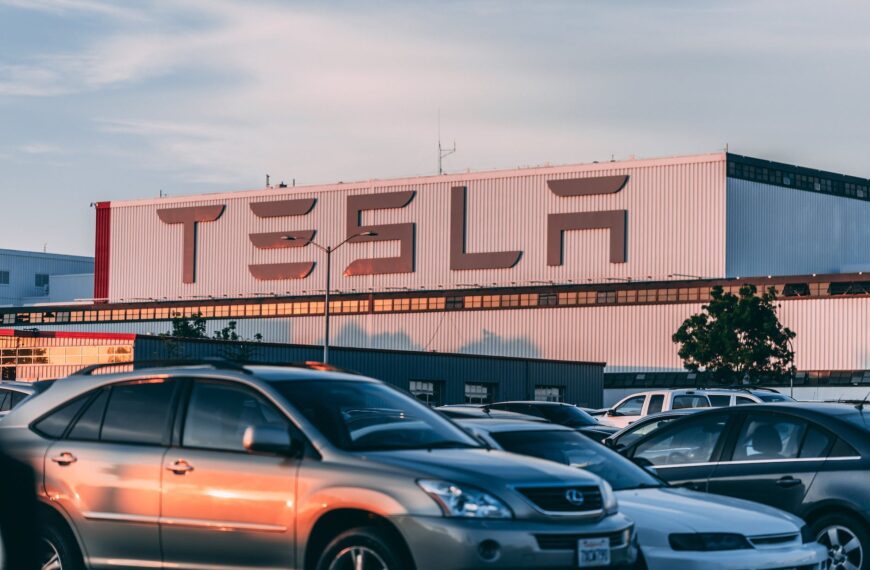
(689, 401)
(55, 423)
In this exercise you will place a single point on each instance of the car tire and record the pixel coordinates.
(59, 549)
(379, 550)
(836, 532)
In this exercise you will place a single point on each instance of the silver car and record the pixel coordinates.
(227, 467)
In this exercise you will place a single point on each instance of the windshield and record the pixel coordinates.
(772, 397)
(570, 416)
(369, 416)
(576, 450)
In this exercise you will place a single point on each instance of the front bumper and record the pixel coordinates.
(441, 543)
(812, 556)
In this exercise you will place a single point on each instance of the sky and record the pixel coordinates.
(121, 100)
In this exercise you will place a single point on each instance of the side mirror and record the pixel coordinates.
(267, 439)
(611, 412)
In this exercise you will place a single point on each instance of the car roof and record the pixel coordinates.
(497, 425)
(532, 402)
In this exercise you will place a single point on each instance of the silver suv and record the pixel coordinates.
(226, 467)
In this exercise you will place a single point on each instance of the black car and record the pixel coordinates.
(812, 460)
(559, 413)
(645, 425)
(478, 412)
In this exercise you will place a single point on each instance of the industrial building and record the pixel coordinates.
(587, 263)
(29, 277)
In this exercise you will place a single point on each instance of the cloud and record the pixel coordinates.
(62, 7)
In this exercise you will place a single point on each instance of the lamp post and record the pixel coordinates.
(328, 250)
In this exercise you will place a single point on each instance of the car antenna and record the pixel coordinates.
(860, 405)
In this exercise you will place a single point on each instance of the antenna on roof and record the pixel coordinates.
(443, 152)
(860, 406)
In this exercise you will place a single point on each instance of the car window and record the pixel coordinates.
(817, 443)
(17, 398)
(690, 442)
(87, 427)
(57, 421)
(369, 416)
(773, 397)
(720, 400)
(743, 400)
(631, 407)
(572, 448)
(635, 434)
(656, 403)
(218, 415)
(138, 412)
(5, 401)
(769, 437)
(690, 401)
(843, 449)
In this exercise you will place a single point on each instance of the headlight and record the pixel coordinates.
(608, 498)
(709, 541)
(467, 502)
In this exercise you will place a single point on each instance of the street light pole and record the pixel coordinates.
(328, 250)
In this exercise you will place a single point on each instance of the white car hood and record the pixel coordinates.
(660, 512)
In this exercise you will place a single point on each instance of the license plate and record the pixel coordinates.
(592, 552)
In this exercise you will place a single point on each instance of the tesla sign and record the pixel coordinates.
(296, 210)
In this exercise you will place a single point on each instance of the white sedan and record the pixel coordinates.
(677, 528)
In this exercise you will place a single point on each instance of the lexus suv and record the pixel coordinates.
(222, 466)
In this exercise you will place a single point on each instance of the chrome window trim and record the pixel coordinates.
(760, 461)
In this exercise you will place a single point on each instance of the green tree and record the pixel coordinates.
(192, 327)
(737, 338)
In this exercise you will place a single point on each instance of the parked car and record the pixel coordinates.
(222, 466)
(471, 411)
(677, 528)
(635, 430)
(812, 460)
(559, 413)
(14, 393)
(636, 406)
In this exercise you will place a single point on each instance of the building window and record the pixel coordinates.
(4, 278)
(427, 391)
(549, 394)
(41, 280)
(477, 393)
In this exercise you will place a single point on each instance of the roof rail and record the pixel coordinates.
(749, 387)
(214, 362)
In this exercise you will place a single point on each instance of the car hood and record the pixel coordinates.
(659, 512)
(482, 467)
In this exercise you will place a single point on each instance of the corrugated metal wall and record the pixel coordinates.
(676, 224)
(23, 267)
(515, 378)
(832, 334)
(782, 231)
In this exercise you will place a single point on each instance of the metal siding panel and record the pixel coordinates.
(23, 267)
(832, 334)
(773, 230)
(676, 225)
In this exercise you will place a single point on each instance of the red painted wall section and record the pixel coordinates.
(101, 250)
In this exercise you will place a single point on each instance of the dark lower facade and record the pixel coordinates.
(434, 378)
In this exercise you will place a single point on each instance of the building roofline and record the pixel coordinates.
(44, 255)
(431, 179)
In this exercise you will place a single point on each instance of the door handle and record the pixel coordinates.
(180, 467)
(788, 481)
(64, 459)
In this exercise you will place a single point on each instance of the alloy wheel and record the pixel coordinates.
(844, 549)
(49, 557)
(358, 558)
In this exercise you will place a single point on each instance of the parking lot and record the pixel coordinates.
(221, 465)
